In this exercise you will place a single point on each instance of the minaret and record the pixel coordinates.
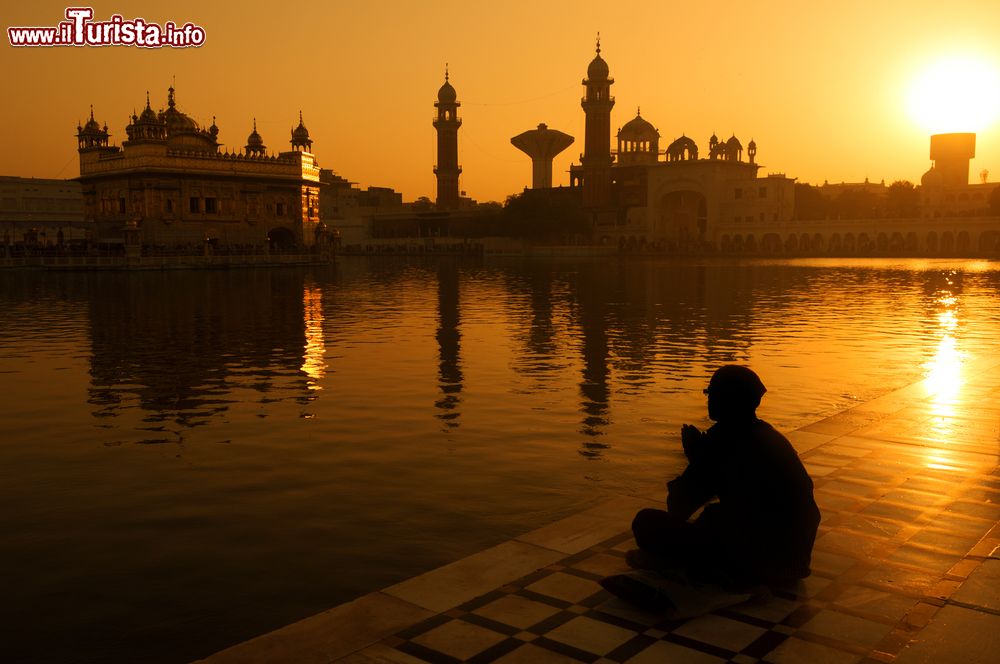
(447, 124)
(596, 157)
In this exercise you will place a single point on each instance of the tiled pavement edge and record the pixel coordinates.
(906, 566)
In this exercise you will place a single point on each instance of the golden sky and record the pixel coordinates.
(821, 87)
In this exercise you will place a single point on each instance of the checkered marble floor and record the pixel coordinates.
(906, 567)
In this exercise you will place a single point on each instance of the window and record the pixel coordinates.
(169, 205)
(280, 209)
(738, 193)
(762, 193)
(121, 205)
(210, 206)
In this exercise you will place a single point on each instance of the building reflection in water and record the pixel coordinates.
(313, 356)
(177, 345)
(449, 345)
(594, 391)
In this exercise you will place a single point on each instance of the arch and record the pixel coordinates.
(684, 215)
(751, 244)
(947, 242)
(836, 243)
(771, 243)
(738, 243)
(817, 242)
(896, 243)
(280, 238)
(912, 243)
(791, 244)
(932, 242)
(726, 242)
(882, 242)
(804, 243)
(850, 243)
(989, 242)
(962, 243)
(864, 242)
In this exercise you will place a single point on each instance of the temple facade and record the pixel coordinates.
(170, 185)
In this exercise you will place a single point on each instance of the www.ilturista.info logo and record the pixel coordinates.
(80, 30)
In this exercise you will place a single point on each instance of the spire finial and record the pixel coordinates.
(637, 111)
(446, 72)
(170, 95)
(300, 116)
(147, 98)
(255, 124)
(91, 111)
(598, 43)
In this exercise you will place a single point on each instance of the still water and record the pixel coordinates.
(190, 459)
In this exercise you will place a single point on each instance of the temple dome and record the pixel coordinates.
(300, 133)
(254, 140)
(447, 93)
(932, 178)
(598, 68)
(638, 128)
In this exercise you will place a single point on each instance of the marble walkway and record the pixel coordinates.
(906, 566)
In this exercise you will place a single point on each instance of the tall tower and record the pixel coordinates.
(596, 159)
(447, 124)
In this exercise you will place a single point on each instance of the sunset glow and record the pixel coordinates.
(367, 82)
(960, 93)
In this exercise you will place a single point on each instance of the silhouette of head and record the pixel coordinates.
(734, 392)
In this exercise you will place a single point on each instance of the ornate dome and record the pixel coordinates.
(300, 135)
(638, 129)
(92, 126)
(254, 139)
(932, 178)
(148, 115)
(682, 149)
(734, 143)
(177, 122)
(447, 93)
(91, 134)
(598, 68)
(300, 132)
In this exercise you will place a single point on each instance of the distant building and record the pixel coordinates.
(945, 188)
(350, 209)
(38, 211)
(171, 185)
(679, 199)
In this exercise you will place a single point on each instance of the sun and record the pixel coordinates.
(955, 94)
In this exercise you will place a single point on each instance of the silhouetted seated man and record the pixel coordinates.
(762, 528)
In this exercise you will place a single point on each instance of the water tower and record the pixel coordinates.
(951, 154)
(542, 145)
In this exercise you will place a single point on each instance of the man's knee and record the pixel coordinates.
(649, 526)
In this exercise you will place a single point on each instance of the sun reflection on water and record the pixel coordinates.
(944, 381)
(313, 361)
